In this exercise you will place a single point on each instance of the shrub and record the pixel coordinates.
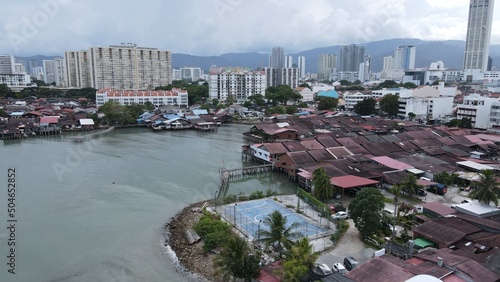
(212, 230)
(256, 195)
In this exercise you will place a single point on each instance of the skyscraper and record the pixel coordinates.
(404, 57)
(326, 64)
(288, 61)
(277, 58)
(301, 62)
(350, 57)
(477, 44)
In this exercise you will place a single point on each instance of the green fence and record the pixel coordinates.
(316, 204)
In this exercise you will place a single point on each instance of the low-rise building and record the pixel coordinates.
(178, 97)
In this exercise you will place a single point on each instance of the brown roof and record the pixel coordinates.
(378, 270)
(447, 231)
(438, 208)
(327, 141)
(311, 144)
(321, 155)
(300, 157)
(294, 146)
(275, 148)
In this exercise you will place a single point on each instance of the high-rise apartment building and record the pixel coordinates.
(477, 44)
(301, 64)
(7, 64)
(350, 57)
(49, 70)
(326, 65)
(238, 82)
(119, 67)
(277, 59)
(404, 57)
(288, 61)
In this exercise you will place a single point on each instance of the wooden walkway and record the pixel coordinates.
(228, 174)
(92, 135)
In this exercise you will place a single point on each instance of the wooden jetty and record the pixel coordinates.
(92, 135)
(229, 174)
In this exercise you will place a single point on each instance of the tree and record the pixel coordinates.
(386, 84)
(148, 106)
(278, 232)
(3, 113)
(291, 110)
(365, 211)
(6, 92)
(237, 260)
(299, 260)
(410, 85)
(282, 94)
(396, 190)
(323, 189)
(345, 82)
(257, 99)
(410, 185)
(487, 189)
(215, 102)
(411, 115)
(365, 107)
(327, 103)
(389, 104)
(305, 85)
(230, 100)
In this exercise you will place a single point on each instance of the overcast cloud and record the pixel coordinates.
(213, 27)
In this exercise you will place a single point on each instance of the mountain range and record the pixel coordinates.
(451, 52)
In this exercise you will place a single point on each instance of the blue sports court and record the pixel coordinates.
(248, 214)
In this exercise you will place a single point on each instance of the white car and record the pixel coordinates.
(340, 215)
(339, 267)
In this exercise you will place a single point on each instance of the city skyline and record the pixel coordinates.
(55, 26)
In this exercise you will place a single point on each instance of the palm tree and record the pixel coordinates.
(396, 190)
(278, 232)
(323, 189)
(487, 189)
(236, 260)
(410, 184)
(299, 259)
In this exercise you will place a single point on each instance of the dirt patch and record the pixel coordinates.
(191, 257)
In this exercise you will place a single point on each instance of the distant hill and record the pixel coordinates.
(451, 52)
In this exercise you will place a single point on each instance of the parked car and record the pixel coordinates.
(388, 212)
(340, 215)
(338, 267)
(422, 192)
(350, 263)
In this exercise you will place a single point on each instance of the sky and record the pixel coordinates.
(214, 27)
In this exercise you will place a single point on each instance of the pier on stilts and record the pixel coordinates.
(92, 135)
(227, 175)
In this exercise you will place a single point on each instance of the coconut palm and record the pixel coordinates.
(487, 189)
(396, 190)
(236, 260)
(410, 184)
(323, 189)
(278, 232)
(299, 259)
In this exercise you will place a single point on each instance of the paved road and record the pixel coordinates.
(349, 245)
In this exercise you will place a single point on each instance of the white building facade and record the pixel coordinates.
(478, 109)
(175, 97)
(240, 83)
(119, 67)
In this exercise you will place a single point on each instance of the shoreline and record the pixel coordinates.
(191, 258)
